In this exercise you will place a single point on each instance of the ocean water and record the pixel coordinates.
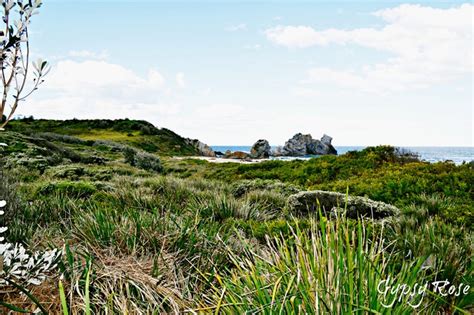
(431, 154)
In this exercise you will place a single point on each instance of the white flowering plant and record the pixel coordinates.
(21, 266)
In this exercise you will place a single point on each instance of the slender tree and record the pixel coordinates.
(17, 264)
(15, 56)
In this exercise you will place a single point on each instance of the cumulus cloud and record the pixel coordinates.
(98, 89)
(425, 46)
(100, 78)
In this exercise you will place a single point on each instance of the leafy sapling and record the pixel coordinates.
(18, 264)
(15, 56)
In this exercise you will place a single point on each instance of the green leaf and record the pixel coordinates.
(28, 294)
(14, 308)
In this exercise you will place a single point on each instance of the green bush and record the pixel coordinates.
(148, 162)
(143, 160)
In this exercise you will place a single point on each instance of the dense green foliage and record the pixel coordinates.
(158, 234)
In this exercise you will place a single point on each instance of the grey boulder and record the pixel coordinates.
(296, 146)
(260, 150)
(301, 145)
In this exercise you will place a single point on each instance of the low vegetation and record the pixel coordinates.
(135, 133)
(144, 233)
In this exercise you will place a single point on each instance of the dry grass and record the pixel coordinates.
(129, 285)
(46, 293)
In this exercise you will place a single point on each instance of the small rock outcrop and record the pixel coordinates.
(260, 150)
(301, 145)
(237, 155)
(202, 148)
(331, 202)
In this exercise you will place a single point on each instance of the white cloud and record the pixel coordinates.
(98, 89)
(296, 36)
(180, 80)
(238, 27)
(87, 54)
(93, 77)
(426, 46)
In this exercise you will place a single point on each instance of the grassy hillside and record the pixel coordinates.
(136, 133)
(156, 234)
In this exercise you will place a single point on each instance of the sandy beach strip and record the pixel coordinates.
(220, 160)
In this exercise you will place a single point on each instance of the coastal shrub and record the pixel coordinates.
(129, 156)
(142, 160)
(148, 162)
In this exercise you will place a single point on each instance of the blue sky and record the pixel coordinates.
(366, 73)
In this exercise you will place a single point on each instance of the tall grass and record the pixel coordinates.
(334, 267)
(144, 243)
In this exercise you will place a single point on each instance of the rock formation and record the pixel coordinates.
(260, 150)
(296, 146)
(301, 145)
(202, 148)
(238, 155)
(331, 202)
